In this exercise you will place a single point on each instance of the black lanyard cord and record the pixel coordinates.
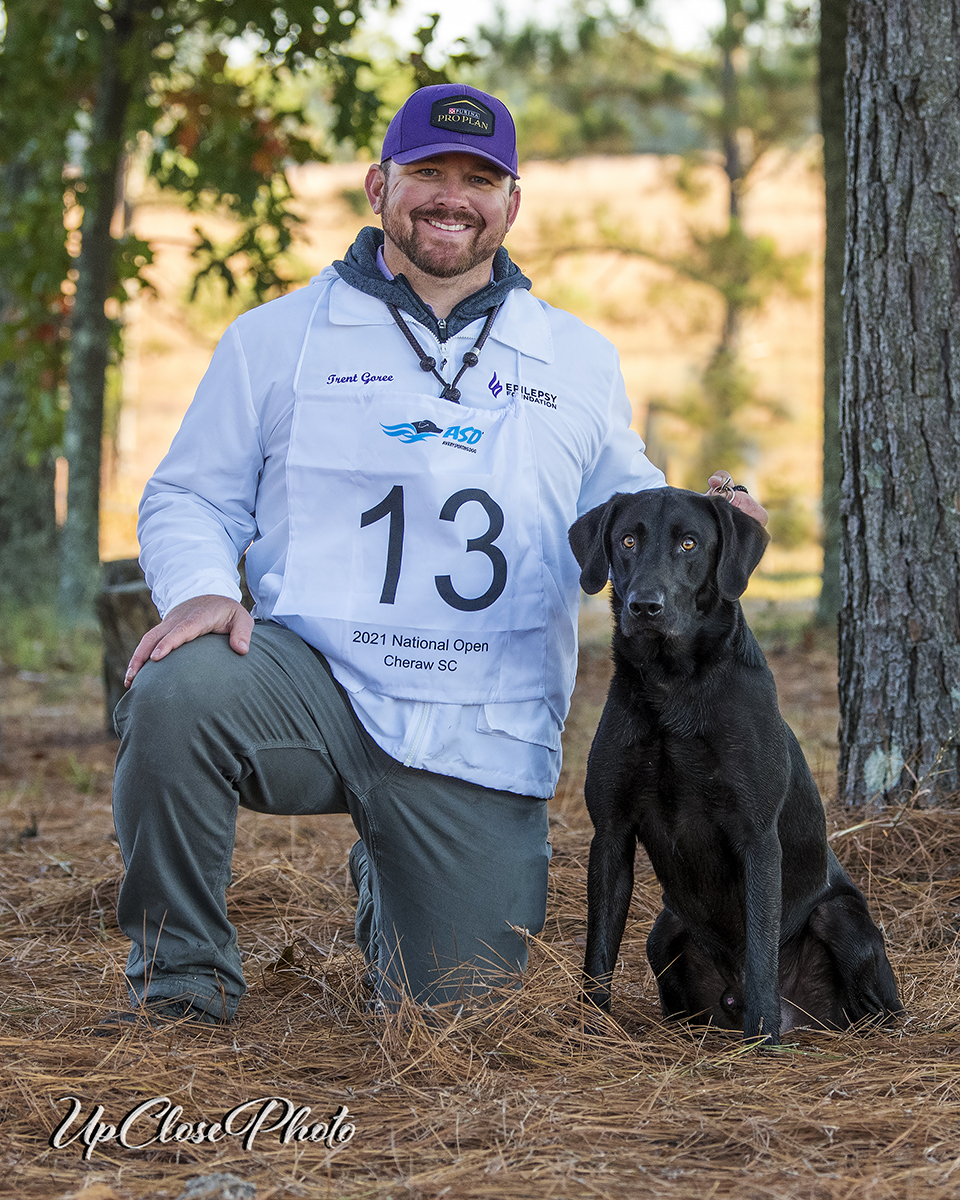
(470, 359)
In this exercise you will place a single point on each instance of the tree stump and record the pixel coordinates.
(125, 611)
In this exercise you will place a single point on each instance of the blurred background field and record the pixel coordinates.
(663, 328)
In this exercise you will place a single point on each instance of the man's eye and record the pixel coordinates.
(688, 543)
(628, 541)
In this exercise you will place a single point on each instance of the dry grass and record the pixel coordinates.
(514, 1100)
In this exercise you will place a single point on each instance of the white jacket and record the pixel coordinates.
(222, 488)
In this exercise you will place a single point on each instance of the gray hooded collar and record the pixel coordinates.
(359, 269)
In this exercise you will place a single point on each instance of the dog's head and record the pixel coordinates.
(672, 556)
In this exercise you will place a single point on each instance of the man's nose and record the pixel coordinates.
(451, 191)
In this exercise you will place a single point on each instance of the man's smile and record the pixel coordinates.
(448, 222)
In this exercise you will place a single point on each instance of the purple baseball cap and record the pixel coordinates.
(453, 118)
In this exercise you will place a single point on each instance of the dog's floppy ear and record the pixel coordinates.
(742, 543)
(590, 542)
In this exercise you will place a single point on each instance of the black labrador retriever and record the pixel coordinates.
(761, 928)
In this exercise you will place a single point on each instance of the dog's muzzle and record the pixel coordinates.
(644, 612)
(645, 606)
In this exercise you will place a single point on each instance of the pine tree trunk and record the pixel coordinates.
(28, 529)
(90, 329)
(833, 59)
(900, 404)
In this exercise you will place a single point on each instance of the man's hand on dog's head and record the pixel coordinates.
(721, 483)
(190, 620)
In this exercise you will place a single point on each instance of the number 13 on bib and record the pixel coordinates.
(414, 561)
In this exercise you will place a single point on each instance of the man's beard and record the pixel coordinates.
(440, 261)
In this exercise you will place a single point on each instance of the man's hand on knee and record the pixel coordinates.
(189, 620)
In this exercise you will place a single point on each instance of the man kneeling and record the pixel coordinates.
(376, 443)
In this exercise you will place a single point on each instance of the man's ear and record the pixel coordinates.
(513, 207)
(590, 542)
(742, 543)
(375, 185)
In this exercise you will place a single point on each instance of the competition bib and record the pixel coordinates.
(415, 561)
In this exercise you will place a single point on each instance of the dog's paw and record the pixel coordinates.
(595, 1013)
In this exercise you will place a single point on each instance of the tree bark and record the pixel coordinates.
(900, 404)
(90, 327)
(833, 60)
(28, 529)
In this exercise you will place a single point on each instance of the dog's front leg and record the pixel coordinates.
(609, 888)
(761, 995)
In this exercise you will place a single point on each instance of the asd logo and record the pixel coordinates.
(417, 431)
(468, 435)
(412, 431)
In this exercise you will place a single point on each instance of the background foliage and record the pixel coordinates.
(605, 83)
(90, 91)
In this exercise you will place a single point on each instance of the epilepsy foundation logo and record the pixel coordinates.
(158, 1121)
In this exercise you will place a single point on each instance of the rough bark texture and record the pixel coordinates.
(833, 61)
(90, 329)
(28, 530)
(900, 403)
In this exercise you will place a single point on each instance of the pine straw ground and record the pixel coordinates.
(514, 1101)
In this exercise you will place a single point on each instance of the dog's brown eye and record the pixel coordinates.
(688, 543)
(628, 542)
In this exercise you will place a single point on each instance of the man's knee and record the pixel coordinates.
(195, 679)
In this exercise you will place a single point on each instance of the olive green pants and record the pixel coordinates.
(447, 869)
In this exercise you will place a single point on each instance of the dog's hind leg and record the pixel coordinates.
(609, 888)
(690, 984)
(840, 973)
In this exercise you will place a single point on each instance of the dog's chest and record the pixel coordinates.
(684, 796)
(704, 760)
(689, 815)
(697, 775)
(693, 836)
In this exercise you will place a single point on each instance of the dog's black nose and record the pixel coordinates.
(645, 606)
